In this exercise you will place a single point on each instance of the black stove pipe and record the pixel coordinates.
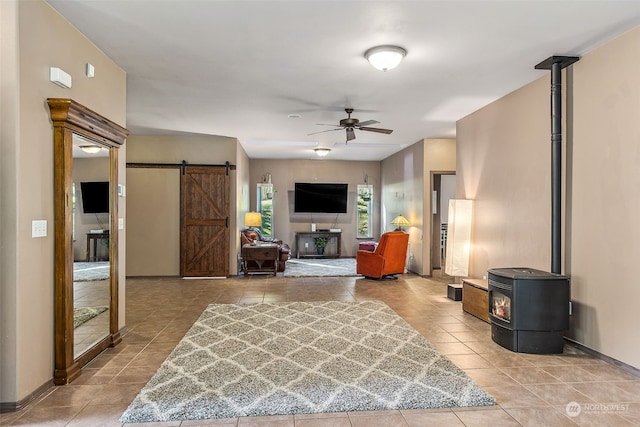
(556, 64)
(556, 167)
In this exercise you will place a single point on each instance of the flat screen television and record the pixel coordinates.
(320, 198)
(95, 197)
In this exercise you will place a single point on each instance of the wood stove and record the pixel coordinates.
(528, 309)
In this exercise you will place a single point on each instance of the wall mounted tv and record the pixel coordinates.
(95, 197)
(320, 198)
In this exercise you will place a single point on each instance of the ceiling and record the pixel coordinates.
(239, 68)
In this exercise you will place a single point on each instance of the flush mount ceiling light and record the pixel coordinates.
(321, 151)
(90, 149)
(385, 57)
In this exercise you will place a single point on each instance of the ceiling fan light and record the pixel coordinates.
(322, 151)
(386, 57)
(90, 149)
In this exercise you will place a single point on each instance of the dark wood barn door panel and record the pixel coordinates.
(204, 221)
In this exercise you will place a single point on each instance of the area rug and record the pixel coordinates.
(301, 357)
(84, 314)
(90, 271)
(320, 267)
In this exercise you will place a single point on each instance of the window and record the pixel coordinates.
(365, 211)
(264, 205)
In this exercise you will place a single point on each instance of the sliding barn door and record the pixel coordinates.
(204, 221)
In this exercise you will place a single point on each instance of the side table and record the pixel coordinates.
(260, 258)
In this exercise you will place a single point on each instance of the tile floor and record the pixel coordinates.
(532, 390)
(90, 294)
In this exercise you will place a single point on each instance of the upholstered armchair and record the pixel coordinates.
(250, 234)
(388, 259)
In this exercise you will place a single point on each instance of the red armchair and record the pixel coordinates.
(388, 259)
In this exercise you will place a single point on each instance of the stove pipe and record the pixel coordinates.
(556, 64)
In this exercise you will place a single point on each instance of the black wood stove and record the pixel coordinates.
(529, 309)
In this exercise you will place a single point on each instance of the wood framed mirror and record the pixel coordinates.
(73, 123)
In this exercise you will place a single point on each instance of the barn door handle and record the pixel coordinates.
(226, 222)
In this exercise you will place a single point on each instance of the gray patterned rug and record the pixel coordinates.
(311, 267)
(301, 357)
(90, 271)
(84, 314)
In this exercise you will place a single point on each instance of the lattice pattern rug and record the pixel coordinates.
(90, 271)
(301, 357)
(311, 267)
(84, 314)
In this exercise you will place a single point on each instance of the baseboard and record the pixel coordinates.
(16, 406)
(627, 368)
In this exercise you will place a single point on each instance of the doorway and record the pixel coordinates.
(443, 188)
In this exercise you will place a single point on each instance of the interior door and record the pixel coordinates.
(204, 221)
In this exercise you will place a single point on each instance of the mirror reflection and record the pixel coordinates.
(90, 225)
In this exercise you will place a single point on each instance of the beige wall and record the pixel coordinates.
(153, 222)
(285, 173)
(439, 156)
(160, 189)
(243, 203)
(406, 182)
(403, 194)
(504, 164)
(37, 37)
(605, 233)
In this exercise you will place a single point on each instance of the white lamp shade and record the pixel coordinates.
(458, 237)
(385, 58)
(91, 149)
(321, 152)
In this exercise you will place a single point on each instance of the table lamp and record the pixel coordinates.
(400, 222)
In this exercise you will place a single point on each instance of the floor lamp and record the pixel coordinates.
(458, 237)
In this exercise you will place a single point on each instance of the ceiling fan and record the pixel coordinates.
(349, 124)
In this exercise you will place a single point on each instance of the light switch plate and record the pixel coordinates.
(120, 223)
(39, 228)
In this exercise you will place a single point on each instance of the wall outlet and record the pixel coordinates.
(306, 245)
(39, 228)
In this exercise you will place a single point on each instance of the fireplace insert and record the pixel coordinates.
(529, 309)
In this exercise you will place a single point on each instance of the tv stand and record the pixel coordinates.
(305, 247)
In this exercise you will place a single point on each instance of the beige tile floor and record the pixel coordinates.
(90, 294)
(532, 390)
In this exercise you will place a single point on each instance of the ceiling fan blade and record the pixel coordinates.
(367, 123)
(379, 130)
(351, 135)
(323, 131)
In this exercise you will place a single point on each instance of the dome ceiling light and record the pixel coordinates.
(322, 151)
(385, 57)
